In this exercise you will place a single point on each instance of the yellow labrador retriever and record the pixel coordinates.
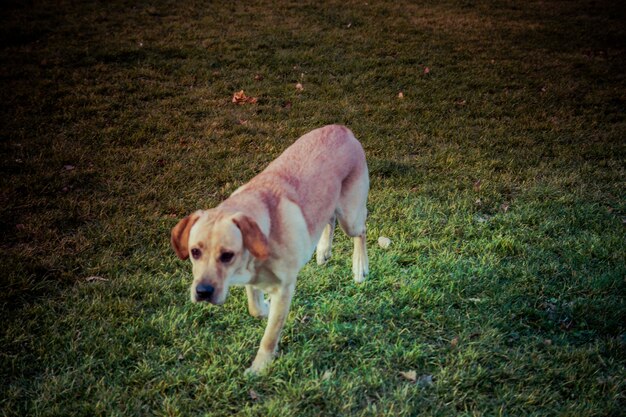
(264, 233)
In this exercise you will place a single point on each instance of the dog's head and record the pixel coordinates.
(222, 247)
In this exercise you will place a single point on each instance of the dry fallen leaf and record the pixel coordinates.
(95, 278)
(454, 342)
(477, 185)
(327, 375)
(482, 218)
(299, 87)
(241, 98)
(384, 242)
(253, 395)
(409, 375)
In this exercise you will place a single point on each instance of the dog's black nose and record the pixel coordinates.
(204, 292)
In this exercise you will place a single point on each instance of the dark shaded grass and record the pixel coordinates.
(499, 178)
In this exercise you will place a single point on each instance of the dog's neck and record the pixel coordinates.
(253, 204)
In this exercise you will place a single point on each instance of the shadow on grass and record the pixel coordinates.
(387, 168)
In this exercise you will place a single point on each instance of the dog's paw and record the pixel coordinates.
(260, 311)
(264, 310)
(260, 363)
(360, 274)
(323, 258)
(250, 372)
(359, 278)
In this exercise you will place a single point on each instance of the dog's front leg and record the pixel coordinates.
(279, 309)
(257, 306)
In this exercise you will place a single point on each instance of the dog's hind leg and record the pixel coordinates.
(360, 263)
(352, 213)
(324, 246)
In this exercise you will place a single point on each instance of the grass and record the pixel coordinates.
(498, 177)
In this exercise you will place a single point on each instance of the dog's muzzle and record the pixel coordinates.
(204, 292)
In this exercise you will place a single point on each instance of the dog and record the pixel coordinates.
(267, 230)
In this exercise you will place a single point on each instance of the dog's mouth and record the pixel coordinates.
(203, 299)
(210, 300)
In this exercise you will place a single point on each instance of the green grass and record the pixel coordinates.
(499, 178)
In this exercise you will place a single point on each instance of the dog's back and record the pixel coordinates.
(316, 170)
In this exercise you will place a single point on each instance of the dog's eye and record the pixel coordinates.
(226, 257)
(196, 253)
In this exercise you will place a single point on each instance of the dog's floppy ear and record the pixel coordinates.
(180, 235)
(253, 238)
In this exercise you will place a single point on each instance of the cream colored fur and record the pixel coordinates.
(272, 224)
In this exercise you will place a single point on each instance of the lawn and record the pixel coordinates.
(495, 137)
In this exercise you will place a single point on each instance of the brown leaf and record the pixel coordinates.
(477, 185)
(95, 278)
(253, 395)
(454, 342)
(482, 218)
(409, 375)
(258, 77)
(241, 98)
